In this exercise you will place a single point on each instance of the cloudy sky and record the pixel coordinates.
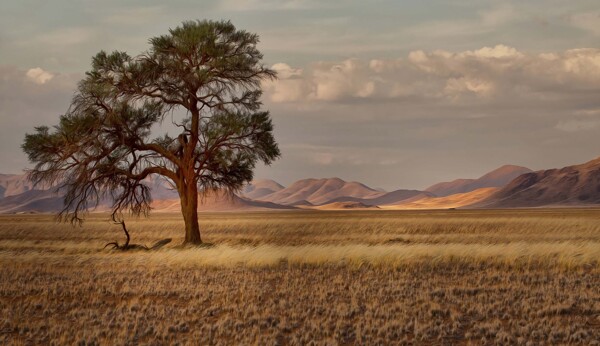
(392, 93)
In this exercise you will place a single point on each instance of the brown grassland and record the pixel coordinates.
(307, 277)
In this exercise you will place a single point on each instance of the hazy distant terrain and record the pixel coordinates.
(506, 187)
(362, 277)
(496, 178)
(260, 188)
(568, 186)
(457, 200)
(320, 191)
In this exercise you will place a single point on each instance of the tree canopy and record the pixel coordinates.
(203, 76)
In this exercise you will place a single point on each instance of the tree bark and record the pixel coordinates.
(189, 208)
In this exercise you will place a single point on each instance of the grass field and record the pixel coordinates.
(347, 277)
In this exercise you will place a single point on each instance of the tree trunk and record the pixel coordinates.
(189, 208)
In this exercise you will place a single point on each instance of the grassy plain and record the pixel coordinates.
(346, 277)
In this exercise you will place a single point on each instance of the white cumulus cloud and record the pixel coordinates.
(498, 74)
(38, 75)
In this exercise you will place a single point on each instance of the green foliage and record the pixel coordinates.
(104, 148)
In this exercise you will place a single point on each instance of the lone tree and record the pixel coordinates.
(205, 76)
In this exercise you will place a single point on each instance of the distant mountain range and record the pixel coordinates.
(569, 186)
(506, 187)
(496, 178)
(319, 191)
(457, 200)
(260, 188)
(14, 184)
(388, 198)
(219, 202)
(31, 201)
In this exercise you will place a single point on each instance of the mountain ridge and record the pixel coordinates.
(567, 186)
(319, 191)
(261, 187)
(495, 178)
(385, 199)
(574, 185)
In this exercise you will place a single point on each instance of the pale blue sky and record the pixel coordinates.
(390, 93)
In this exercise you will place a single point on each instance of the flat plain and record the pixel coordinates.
(524, 276)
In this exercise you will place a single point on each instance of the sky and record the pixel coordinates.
(391, 93)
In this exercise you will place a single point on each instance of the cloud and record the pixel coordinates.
(284, 71)
(458, 86)
(291, 86)
(493, 75)
(348, 78)
(326, 81)
(38, 75)
(498, 52)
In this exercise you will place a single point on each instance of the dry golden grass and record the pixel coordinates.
(350, 277)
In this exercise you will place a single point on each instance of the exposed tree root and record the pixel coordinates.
(127, 246)
(116, 246)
